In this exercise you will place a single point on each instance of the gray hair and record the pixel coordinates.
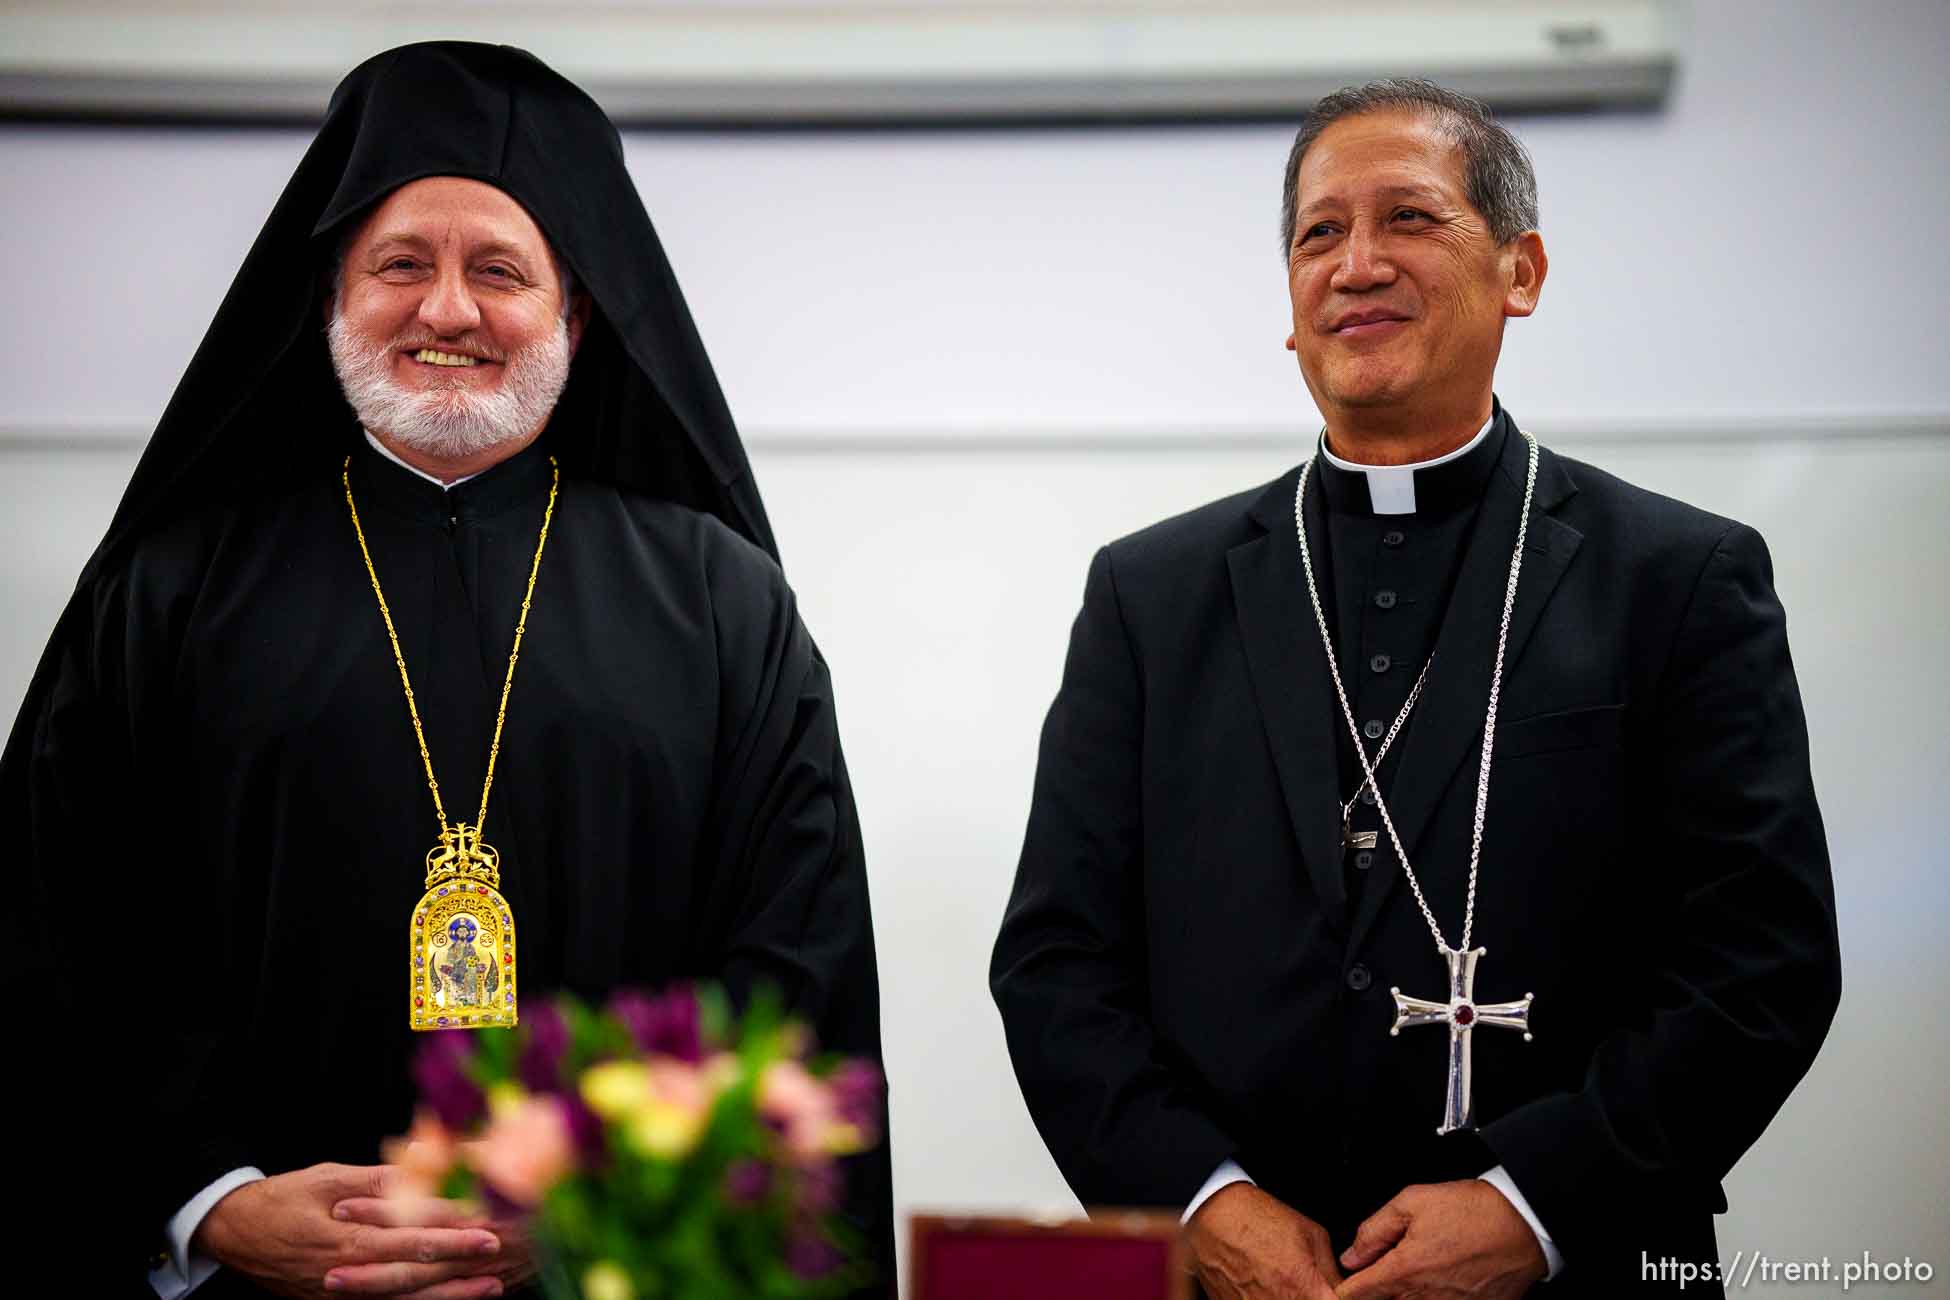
(1497, 174)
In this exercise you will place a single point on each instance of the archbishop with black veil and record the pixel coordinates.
(215, 758)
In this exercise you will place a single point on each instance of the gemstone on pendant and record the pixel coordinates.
(419, 1002)
(419, 918)
(511, 999)
(507, 959)
(442, 893)
(442, 1022)
(1464, 1014)
(480, 889)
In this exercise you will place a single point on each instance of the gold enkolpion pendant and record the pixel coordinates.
(461, 940)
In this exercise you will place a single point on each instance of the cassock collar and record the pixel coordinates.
(1437, 486)
(389, 454)
(398, 488)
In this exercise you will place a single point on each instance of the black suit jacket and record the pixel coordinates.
(1181, 974)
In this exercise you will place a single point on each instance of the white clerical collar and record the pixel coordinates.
(1391, 488)
(387, 452)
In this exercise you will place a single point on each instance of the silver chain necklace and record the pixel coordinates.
(1461, 1012)
(1350, 839)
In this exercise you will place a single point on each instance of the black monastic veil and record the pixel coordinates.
(218, 812)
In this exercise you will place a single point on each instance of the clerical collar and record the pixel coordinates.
(394, 456)
(1428, 487)
(403, 490)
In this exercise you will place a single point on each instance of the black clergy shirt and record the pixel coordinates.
(1390, 576)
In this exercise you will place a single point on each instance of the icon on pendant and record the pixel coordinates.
(462, 946)
(466, 974)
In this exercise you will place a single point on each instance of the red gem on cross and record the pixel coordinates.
(1465, 1014)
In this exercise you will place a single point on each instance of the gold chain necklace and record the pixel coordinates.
(462, 938)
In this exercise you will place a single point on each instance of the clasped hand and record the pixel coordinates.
(1441, 1240)
(344, 1230)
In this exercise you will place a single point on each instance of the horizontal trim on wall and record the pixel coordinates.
(903, 62)
(1666, 432)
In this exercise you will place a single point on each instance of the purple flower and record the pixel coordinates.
(811, 1257)
(585, 1130)
(817, 1190)
(663, 1025)
(545, 1046)
(858, 1089)
(440, 1072)
(747, 1182)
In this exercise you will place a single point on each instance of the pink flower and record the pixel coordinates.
(526, 1150)
(420, 1160)
(677, 1083)
(803, 1110)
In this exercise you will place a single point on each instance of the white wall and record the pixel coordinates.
(968, 358)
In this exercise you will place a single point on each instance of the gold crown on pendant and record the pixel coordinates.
(461, 855)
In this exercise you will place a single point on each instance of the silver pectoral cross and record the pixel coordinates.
(1462, 1014)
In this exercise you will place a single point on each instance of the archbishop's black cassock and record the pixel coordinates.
(215, 778)
(1192, 970)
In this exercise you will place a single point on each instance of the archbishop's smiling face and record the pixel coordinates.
(456, 278)
(1399, 289)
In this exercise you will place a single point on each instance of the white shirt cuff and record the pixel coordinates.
(1500, 1179)
(1224, 1176)
(185, 1272)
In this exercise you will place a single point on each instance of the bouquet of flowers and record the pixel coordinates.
(658, 1147)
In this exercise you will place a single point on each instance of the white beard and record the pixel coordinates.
(450, 422)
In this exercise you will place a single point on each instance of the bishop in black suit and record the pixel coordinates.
(1197, 965)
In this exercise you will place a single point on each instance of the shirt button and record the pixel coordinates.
(1393, 537)
(1359, 977)
(1373, 729)
(1364, 859)
(1380, 663)
(1367, 795)
(1384, 599)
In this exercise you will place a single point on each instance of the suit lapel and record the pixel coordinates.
(1446, 732)
(1289, 676)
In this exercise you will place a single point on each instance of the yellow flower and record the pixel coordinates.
(606, 1280)
(720, 1073)
(843, 1139)
(614, 1088)
(661, 1129)
(505, 1098)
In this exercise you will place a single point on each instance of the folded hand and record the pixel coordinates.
(1445, 1239)
(283, 1234)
